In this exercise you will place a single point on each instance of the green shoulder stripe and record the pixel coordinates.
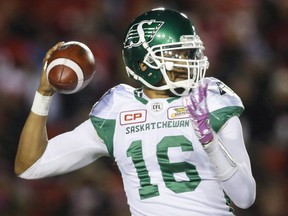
(105, 129)
(220, 116)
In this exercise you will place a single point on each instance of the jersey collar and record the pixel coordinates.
(140, 96)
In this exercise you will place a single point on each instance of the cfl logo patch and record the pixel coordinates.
(133, 117)
(157, 107)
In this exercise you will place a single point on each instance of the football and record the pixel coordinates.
(71, 67)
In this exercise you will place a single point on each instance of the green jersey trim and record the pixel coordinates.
(138, 95)
(219, 117)
(142, 100)
(169, 100)
(105, 129)
(229, 203)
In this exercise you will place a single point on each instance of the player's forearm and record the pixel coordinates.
(241, 187)
(235, 177)
(32, 143)
(232, 164)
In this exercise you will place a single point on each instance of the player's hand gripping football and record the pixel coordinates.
(196, 104)
(44, 87)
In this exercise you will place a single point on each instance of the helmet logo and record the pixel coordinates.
(139, 34)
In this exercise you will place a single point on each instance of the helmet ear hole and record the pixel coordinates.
(142, 66)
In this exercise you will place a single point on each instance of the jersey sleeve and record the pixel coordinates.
(232, 138)
(104, 113)
(223, 103)
(68, 152)
(101, 117)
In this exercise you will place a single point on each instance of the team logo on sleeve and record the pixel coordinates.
(177, 113)
(223, 89)
(133, 117)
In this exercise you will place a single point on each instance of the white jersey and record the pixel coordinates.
(164, 168)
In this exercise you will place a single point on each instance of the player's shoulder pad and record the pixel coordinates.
(223, 102)
(104, 112)
(107, 106)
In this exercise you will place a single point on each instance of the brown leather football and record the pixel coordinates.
(71, 67)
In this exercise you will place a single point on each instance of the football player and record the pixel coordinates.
(177, 140)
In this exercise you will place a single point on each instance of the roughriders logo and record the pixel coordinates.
(142, 32)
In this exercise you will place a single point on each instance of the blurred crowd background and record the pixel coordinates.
(247, 45)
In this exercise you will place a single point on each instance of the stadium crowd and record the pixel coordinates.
(247, 45)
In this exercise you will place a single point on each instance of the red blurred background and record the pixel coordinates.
(247, 45)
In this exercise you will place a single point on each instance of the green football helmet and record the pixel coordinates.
(156, 38)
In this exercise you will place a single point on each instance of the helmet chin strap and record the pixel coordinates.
(185, 85)
(170, 87)
(185, 91)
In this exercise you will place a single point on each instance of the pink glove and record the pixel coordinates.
(196, 104)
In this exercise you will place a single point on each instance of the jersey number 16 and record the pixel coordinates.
(168, 169)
